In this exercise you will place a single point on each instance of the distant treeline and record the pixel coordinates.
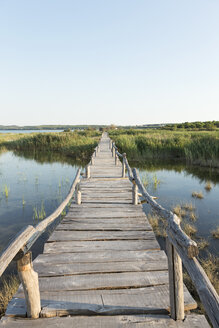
(199, 126)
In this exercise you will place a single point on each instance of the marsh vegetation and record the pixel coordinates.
(194, 147)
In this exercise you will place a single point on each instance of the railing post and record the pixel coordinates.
(113, 150)
(134, 194)
(175, 282)
(123, 164)
(116, 159)
(110, 144)
(88, 171)
(30, 283)
(92, 160)
(77, 195)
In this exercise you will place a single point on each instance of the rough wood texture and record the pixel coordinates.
(103, 258)
(119, 321)
(175, 283)
(29, 280)
(14, 246)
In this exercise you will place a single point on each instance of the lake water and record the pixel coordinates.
(41, 179)
(31, 183)
(28, 131)
(176, 185)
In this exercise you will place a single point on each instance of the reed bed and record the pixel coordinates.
(200, 148)
(78, 144)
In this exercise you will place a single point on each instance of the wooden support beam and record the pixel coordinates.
(175, 282)
(88, 171)
(134, 194)
(30, 283)
(123, 165)
(78, 195)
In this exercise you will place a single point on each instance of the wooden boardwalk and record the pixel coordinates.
(103, 259)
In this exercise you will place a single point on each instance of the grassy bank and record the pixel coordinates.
(78, 145)
(200, 148)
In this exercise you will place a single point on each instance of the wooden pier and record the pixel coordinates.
(102, 266)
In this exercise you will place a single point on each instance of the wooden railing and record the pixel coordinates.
(180, 249)
(19, 250)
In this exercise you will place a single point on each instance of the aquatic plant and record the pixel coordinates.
(208, 186)
(197, 194)
(35, 213)
(145, 180)
(202, 243)
(156, 181)
(23, 201)
(215, 233)
(193, 216)
(189, 229)
(188, 206)
(39, 214)
(6, 191)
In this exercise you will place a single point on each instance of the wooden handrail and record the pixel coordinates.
(183, 248)
(28, 235)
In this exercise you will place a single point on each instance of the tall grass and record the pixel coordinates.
(200, 148)
(8, 288)
(78, 145)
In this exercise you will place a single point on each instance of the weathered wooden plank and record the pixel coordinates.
(100, 235)
(103, 281)
(57, 269)
(104, 213)
(101, 221)
(152, 299)
(120, 321)
(103, 256)
(84, 226)
(96, 246)
(104, 201)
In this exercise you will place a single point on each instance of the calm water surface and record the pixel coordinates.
(31, 183)
(28, 131)
(176, 186)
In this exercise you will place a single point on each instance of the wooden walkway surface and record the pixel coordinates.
(103, 259)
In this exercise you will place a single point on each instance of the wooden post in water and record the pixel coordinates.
(77, 195)
(30, 283)
(175, 282)
(123, 165)
(134, 194)
(88, 171)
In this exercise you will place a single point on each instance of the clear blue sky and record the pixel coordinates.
(103, 62)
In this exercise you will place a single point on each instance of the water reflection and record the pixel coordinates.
(32, 179)
(43, 157)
